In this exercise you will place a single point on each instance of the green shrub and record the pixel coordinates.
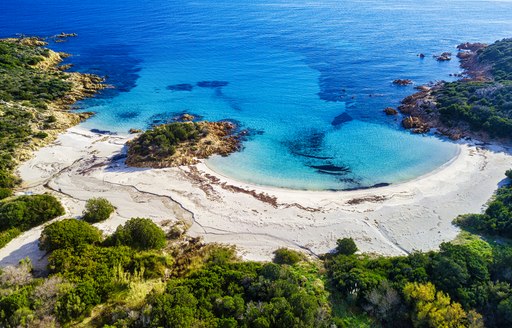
(68, 233)
(139, 233)
(25, 212)
(97, 209)
(8, 235)
(287, 256)
(346, 246)
(5, 192)
(508, 173)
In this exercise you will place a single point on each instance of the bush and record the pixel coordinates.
(97, 209)
(139, 233)
(5, 192)
(508, 173)
(286, 256)
(346, 246)
(25, 212)
(68, 233)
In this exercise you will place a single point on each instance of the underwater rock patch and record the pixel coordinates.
(180, 87)
(342, 118)
(212, 84)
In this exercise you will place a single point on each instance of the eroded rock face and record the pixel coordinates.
(390, 111)
(415, 124)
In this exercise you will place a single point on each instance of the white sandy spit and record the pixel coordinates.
(392, 220)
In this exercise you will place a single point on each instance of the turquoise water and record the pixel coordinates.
(290, 69)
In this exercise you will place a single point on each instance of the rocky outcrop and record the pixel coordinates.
(473, 68)
(390, 111)
(134, 131)
(445, 56)
(220, 138)
(415, 124)
(402, 82)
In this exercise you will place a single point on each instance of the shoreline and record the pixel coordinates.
(391, 220)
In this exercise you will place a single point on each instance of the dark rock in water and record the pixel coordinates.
(331, 173)
(390, 111)
(402, 82)
(421, 56)
(212, 84)
(127, 115)
(103, 132)
(331, 168)
(340, 119)
(180, 87)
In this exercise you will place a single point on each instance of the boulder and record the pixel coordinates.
(133, 131)
(402, 82)
(390, 111)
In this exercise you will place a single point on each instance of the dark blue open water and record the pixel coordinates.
(291, 67)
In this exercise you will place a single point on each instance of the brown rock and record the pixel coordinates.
(390, 111)
(402, 82)
(133, 131)
(415, 124)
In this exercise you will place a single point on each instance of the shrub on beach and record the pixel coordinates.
(286, 256)
(68, 233)
(346, 246)
(97, 209)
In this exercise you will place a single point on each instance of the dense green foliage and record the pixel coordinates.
(497, 219)
(25, 212)
(20, 80)
(484, 106)
(499, 55)
(138, 233)
(161, 141)
(68, 233)
(346, 246)
(97, 209)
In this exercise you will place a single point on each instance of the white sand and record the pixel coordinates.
(392, 220)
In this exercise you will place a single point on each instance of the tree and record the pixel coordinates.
(433, 308)
(139, 233)
(68, 233)
(346, 246)
(97, 209)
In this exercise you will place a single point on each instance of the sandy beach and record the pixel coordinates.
(392, 220)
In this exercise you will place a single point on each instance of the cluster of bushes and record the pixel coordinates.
(497, 218)
(499, 55)
(161, 141)
(484, 106)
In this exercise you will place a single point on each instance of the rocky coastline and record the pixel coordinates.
(421, 111)
(57, 115)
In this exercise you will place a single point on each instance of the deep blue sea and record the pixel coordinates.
(309, 79)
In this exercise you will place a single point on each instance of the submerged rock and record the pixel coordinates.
(212, 84)
(342, 118)
(180, 87)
